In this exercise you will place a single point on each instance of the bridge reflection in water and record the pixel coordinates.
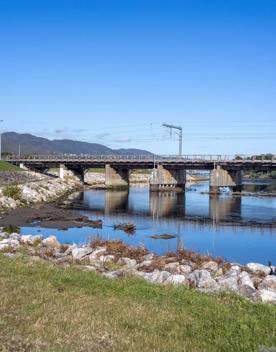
(116, 201)
(221, 208)
(167, 204)
(170, 205)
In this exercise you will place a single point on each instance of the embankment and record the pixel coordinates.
(26, 188)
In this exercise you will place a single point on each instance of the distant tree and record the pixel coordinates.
(238, 157)
(273, 174)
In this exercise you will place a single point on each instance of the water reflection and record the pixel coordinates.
(217, 225)
(168, 204)
(116, 201)
(259, 185)
(196, 206)
(223, 208)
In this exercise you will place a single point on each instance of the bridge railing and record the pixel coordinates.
(146, 157)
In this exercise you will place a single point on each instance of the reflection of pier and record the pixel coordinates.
(116, 201)
(220, 208)
(173, 207)
(167, 204)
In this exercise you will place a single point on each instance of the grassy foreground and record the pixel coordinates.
(5, 166)
(47, 308)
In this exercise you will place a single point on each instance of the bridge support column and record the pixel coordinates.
(22, 166)
(224, 178)
(116, 177)
(62, 171)
(163, 179)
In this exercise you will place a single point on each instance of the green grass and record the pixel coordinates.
(97, 170)
(47, 308)
(12, 191)
(5, 166)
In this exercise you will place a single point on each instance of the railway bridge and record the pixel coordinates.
(168, 172)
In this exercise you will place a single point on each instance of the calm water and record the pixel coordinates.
(237, 228)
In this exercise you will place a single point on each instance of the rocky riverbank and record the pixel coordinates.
(114, 259)
(32, 188)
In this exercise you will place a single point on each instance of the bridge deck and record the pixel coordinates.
(196, 162)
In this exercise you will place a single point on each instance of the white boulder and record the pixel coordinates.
(51, 241)
(269, 283)
(176, 279)
(211, 265)
(266, 296)
(202, 279)
(258, 268)
(78, 253)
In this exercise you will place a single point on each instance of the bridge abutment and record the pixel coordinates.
(116, 177)
(163, 179)
(220, 177)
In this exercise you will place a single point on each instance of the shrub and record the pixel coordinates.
(12, 192)
(11, 229)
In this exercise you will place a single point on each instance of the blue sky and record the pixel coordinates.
(113, 71)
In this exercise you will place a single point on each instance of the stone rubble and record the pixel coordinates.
(254, 282)
(43, 189)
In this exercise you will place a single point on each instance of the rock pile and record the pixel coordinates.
(114, 259)
(42, 190)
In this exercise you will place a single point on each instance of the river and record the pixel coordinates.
(240, 229)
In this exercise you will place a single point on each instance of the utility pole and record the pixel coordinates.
(180, 135)
(1, 142)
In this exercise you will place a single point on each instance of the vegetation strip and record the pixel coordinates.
(114, 259)
(47, 308)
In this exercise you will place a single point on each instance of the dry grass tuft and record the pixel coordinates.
(158, 263)
(226, 267)
(63, 247)
(196, 258)
(45, 253)
(119, 249)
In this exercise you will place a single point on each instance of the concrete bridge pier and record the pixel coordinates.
(116, 177)
(22, 166)
(62, 171)
(225, 178)
(74, 172)
(163, 179)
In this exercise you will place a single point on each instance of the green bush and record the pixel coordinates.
(12, 192)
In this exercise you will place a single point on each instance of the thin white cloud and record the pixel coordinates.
(102, 135)
(123, 140)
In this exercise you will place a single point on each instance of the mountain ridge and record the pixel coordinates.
(28, 143)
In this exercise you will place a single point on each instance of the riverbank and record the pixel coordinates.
(26, 188)
(45, 307)
(114, 259)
